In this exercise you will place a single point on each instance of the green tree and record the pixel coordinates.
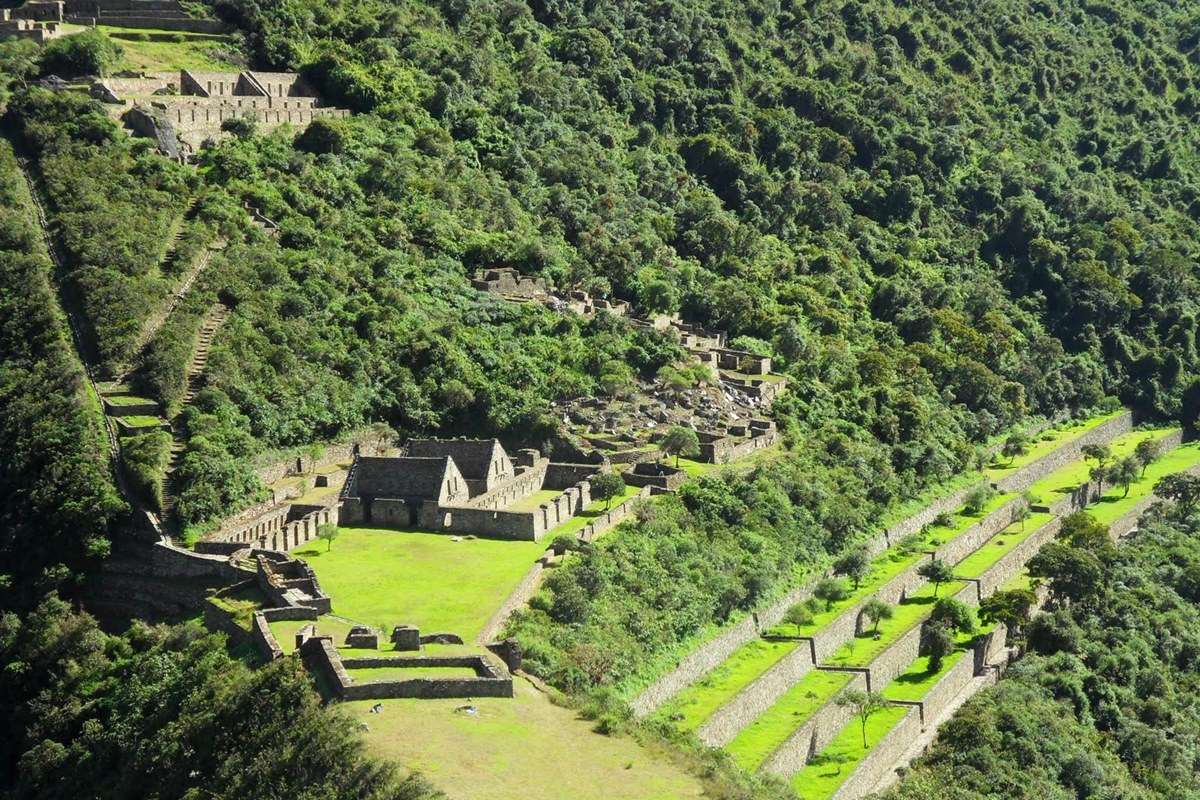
(876, 610)
(1181, 489)
(1017, 444)
(1147, 452)
(864, 705)
(1010, 608)
(953, 614)
(978, 498)
(1125, 472)
(936, 572)
(1071, 573)
(616, 378)
(855, 565)
(798, 615)
(87, 53)
(606, 485)
(680, 441)
(831, 590)
(327, 533)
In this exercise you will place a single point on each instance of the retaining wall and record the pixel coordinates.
(714, 652)
(813, 736)
(1070, 451)
(517, 598)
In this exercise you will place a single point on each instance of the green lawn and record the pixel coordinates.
(1113, 505)
(128, 400)
(377, 674)
(519, 748)
(834, 765)
(317, 496)
(1047, 442)
(140, 421)
(915, 682)
(910, 612)
(387, 577)
(534, 500)
(194, 51)
(1066, 480)
(763, 736)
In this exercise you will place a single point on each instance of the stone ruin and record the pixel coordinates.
(166, 15)
(466, 486)
(39, 20)
(727, 416)
(181, 110)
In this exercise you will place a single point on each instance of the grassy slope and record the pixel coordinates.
(518, 749)
(1047, 442)
(1113, 505)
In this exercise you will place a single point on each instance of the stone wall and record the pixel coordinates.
(517, 598)
(895, 659)
(813, 736)
(951, 685)
(562, 475)
(756, 698)
(882, 756)
(1070, 451)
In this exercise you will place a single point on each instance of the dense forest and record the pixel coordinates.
(940, 219)
(1108, 689)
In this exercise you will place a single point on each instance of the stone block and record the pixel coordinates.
(406, 637)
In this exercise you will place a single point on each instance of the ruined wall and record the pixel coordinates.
(516, 488)
(562, 475)
(262, 638)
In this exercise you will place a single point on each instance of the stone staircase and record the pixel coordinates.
(195, 381)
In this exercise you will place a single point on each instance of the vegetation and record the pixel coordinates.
(115, 713)
(1102, 730)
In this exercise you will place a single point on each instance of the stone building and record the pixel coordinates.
(192, 106)
(464, 486)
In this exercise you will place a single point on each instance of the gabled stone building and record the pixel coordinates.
(464, 486)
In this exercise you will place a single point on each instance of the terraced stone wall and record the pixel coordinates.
(813, 736)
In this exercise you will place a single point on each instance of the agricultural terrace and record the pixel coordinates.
(829, 769)
(1063, 482)
(1045, 443)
